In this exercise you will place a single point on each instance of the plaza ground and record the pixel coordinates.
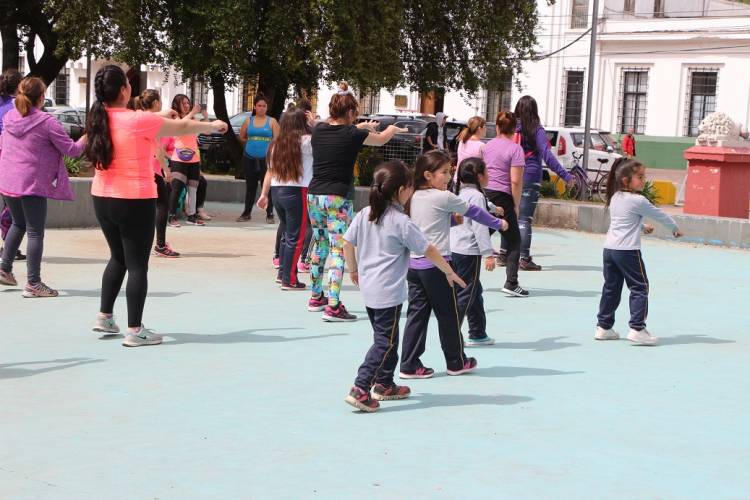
(245, 397)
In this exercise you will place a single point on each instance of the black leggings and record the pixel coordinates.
(162, 210)
(202, 190)
(255, 171)
(512, 237)
(128, 226)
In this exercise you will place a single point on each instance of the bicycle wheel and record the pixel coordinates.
(600, 188)
(579, 188)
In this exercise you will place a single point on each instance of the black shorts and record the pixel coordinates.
(190, 170)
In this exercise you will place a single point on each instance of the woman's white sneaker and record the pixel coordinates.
(605, 334)
(642, 337)
(106, 325)
(144, 336)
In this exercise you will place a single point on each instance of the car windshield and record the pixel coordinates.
(608, 140)
(238, 119)
(490, 131)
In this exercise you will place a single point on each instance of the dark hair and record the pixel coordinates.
(468, 173)
(431, 161)
(527, 113)
(258, 98)
(147, 99)
(30, 90)
(474, 124)
(9, 82)
(387, 179)
(107, 84)
(622, 168)
(506, 122)
(177, 103)
(341, 104)
(305, 104)
(285, 152)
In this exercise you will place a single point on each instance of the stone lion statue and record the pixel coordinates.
(719, 130)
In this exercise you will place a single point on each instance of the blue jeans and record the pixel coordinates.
(529, 199)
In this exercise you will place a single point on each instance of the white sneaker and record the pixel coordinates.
(642, 338)
(608, 334)
(143, 337)
(106, 325)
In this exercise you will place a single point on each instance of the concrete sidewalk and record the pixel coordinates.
(245, 397)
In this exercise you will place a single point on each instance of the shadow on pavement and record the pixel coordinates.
(545, 344)
(74, 260)
(241, 336)
(692, 339)
(11, 370)
(427, 400)
(519, 371)
(97, 293)
(214, 255)
(553, 292)
(570, 267)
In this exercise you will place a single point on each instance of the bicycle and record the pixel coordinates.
(584, 189)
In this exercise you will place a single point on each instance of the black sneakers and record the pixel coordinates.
(515, 291)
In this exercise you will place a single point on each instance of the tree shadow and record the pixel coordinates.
(214, 255)
(74, 260)
(240, 337)
(519, 371)
(693, 339)
(570, 267)
(552, 292)
(541, 345)
(10, 370)
(427, 400)
(97, 293)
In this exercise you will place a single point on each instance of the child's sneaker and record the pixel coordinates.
(317, 304)
(296, 286)
(106, 325)
(203, 214)
(7, 278)
(165, 251)
(383, 392)
(516, 291)
(38, 290)
(276, 263)
(642, 337)
(361, 400)
(303, 268)
(605, 334)
(469, 366)
(338, 313)
(421, 372)
(528, 265)
(194, 220)
(470, 342)
(144, 336)
(174, 221)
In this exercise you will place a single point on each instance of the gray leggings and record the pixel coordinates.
(29, 217)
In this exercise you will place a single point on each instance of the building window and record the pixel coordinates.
(198, 91)
(658, 8)
(629, 7)
(61, 88)
(579, 16)
(401, 101)
(572, 98)
(22, 64)
(633, 100)
(701, 96)
(498, 99)
(369, 103)
(246, 95)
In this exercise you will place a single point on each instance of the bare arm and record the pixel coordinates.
(243, 131)
(263, 200)
(433, 254)
(171, 128)
(350, 258)
(275, 129)
(379, 139)
(516, 186)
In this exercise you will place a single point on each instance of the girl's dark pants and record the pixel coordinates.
(382, 358)
(429, 291)
(511, 239)
(255, 172)
(291, 205)
(624, 266)
(470, 301)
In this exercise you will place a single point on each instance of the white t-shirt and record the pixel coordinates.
(626, 213)
(307, 163)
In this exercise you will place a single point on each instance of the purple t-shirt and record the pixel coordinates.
(500, 155)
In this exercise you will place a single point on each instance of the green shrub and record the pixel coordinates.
(367, 160)
(649, 191)
(548, 190)
(73, 165)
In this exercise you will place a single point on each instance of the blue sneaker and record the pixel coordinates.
(479, 342)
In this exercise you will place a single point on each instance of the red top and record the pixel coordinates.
(628, 145)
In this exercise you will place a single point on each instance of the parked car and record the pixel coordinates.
(566, 141)
(71, 120)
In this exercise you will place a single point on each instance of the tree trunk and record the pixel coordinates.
(234, 148)
(9, 32)
(275, 91)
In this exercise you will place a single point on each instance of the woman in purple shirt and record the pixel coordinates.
(533, 139)
(505, 169)
(32, 147)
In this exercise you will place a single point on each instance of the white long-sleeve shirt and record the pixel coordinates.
(471, 237)
(626, 213)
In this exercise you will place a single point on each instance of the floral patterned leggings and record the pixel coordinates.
(330, 217)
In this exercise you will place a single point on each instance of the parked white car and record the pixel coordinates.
(565, 141)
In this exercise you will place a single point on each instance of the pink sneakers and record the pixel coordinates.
(317, 304)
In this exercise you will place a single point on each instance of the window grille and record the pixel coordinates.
(579, 16)
(572, 98)
(700, 97)
(633, 100)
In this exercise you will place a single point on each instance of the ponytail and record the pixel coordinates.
(468, 173)
(387, 180)
(471, 128)
(107, 84)
(30, 91)
(146, 100)
(622, 168)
